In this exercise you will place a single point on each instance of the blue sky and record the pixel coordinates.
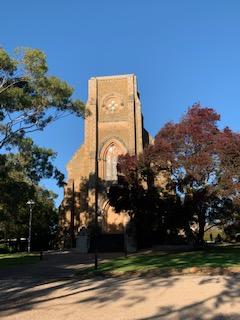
(182, 52)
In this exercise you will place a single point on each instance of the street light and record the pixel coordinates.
(30, 203)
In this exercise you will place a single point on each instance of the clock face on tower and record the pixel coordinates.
(112, 104)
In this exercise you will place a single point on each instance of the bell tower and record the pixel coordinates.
(114, 101)
(114, 127)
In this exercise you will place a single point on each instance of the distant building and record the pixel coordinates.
(115, 124)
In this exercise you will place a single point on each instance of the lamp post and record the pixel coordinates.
(30, 203)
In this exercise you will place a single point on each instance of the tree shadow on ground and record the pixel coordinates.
(201, 310)
(22, 295)
(19, 294)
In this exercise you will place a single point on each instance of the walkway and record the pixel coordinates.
(49, 290)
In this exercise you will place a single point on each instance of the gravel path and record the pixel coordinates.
(35, 292)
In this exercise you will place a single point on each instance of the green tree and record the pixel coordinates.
(34, 163)
(18, 184)
(30, 98)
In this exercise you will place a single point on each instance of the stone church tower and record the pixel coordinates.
(114, 127)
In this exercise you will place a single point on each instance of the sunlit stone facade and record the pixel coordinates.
(116, 121)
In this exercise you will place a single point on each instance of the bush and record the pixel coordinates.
(4, 248)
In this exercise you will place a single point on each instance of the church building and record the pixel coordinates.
(113, 127)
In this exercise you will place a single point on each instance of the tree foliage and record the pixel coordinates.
(30, 98)
(190, 176)
(16, 189)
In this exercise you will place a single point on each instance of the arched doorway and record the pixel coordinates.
(112, 221)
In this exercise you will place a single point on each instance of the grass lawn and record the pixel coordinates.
(218, 257)
(12, 259)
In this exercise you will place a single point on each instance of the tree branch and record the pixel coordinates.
(11, 84)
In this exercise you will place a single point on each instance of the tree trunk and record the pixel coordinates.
(189, 234)
(201, 224)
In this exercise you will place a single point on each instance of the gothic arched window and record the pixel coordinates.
(109, 154)
(111, 158)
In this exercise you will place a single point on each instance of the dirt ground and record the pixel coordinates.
(49, 290)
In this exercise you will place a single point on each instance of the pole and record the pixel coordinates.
(125, 241)
(30, 229)
(72, 231)
(96, 187)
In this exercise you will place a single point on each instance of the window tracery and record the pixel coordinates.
(112, 154)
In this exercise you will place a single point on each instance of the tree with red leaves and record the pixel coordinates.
(205, 165)
(201, 166)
